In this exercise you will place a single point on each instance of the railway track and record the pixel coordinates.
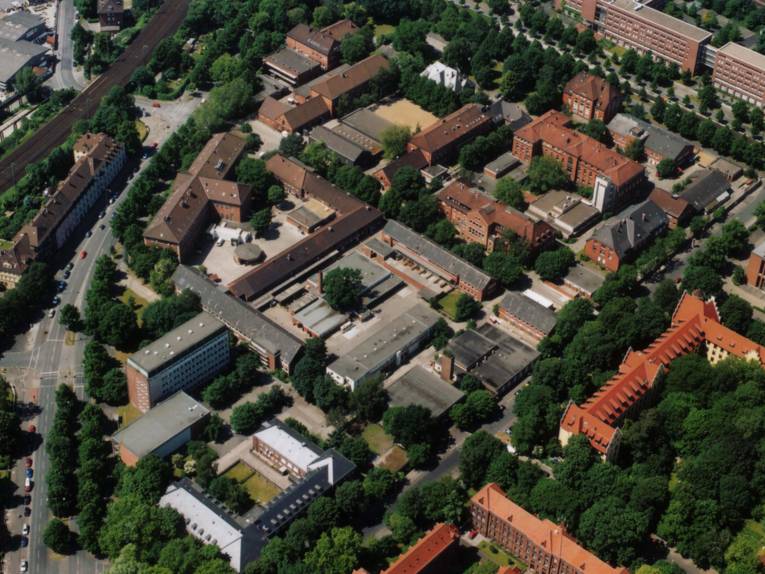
(164, 23)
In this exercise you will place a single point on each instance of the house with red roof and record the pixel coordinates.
(695, 325)
(430, 554)
(589, 97)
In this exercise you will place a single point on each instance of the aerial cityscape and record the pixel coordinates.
(382, 286)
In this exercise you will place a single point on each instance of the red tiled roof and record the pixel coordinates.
(436, 541)
(694, 322)
(551, 128)
(354, 77)
(450, 128)
(592, 87)
(671, 205)
(542, 533)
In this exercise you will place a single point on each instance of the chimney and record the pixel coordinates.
(447, 366)
(320, 282)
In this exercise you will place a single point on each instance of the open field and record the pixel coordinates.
(377, 439)
(448, 303)
(406, 113)
(260, 489)
(395, 459)
(240, 472)
(139, 303)
(383, 29)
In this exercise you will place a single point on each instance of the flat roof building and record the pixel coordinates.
(419, 386)
(565, 211)
(386, 346)
(277, 348)
(162, 430)
(185, 357)
(740, 72)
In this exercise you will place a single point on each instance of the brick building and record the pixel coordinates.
(182, 359)
(658, 143)
(589, 163)
(286, 118)
(677, 210)
(612, 244)
(695, 325)
(740, 71)
(482, 219)
(527, 315)
(97, 160)
(544, 546)
(321, 46)
(349, 83)
(431, 554)
(201, 194)
(589, 97)
(440, 142)
(639, 26)
(110, 15)
(755, 267)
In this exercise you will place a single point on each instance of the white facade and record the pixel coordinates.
(603, 194)
(446, 76)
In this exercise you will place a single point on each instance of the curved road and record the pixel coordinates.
(164, 23)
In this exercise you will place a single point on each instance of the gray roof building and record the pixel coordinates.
(161, 430)
(21, 25)
(344, 148)
(16, 55)
(708, 190)
(421, 387)
(510, 113)
(437, 255)
(501, 165)
(387, 345)
(267, 338)
(656, 139)
(528, 311)
(583, 280)
(639, 227)
(367, 122)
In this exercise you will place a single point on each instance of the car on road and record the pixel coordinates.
(52, 313)
(24, 541)
(67, 273)
(25, 530)
(27, 499)
(29, 473)
(83, 254)
(28, 462)
(89, 233)
(23, 566)
(27, 511)
(28, 485)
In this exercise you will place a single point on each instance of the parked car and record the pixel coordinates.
(32, 428)
(27, 511)
(69, 266)
(472, 534)
(24, 541)
(102, 227)
(52, 313)
(56, 300)
(29, 473)
(23, 566)
(25, 530)
(67, 273)
(83, 254)
(28, 462)
(89, 233)
(27, 499)
(28, 485)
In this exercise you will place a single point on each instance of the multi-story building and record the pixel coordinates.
(695, 324)
(399, 242)
(187, 356)
(613, 243)
(162, 430)
(479, 218)
(200, 194)
(740, 71)
(97, 160)
(321, 46)
(658, 143)
(441, 142)
(544, 546)
(590, 97)
(431, 554)
(638, 25)
(110, 15)
(755, 267)
(349, 83)
(527, 315)
(613, 178)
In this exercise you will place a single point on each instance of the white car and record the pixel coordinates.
(25, 530)
(24, 566)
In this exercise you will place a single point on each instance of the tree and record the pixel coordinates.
(261, 221)
(342, 288)
(148, 479)
(635, 150)
(466, 307)
(356, 47)
(69, 317)
(477, 454)
(369, 399)
(394, 140)
(666, 168)
(478, 408)
(503, 267)
(597, 130)
(408, 425)
(27, 83)
(58, 537)
(291, 145)
(546, 173)
(736, 314)
(336, 552)
(275, 194)
(509, 192)
(553, 265)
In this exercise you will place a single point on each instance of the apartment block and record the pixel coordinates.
(544, 546)
(695, 324)
(321, 46)
(740, 72)
(187, 356)
(613, 178)
(589, 97)
(480, 218)
(638, 25)
(431, 554)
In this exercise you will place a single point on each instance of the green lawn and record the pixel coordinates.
(493, 552)
(377, 439)
(128, 413)
(240, 472)
(260, 489)
(448, 303)
(139, 303)
(383, 29)
(5, 244)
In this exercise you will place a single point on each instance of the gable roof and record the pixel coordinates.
(634, 230)
(707, 188)
(593, 88)
(354, 77)
(673, 205)
(529, 311)
(450, 128)
(426, 550)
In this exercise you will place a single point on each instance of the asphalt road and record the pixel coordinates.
(64, 76)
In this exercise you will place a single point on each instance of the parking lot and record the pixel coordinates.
(268, 135)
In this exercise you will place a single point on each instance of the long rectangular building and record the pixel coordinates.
(544, 546)
(740, 72)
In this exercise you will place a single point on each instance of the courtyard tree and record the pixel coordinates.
(342, 288)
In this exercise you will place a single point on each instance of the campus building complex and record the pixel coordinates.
(479, 218)
(544, 546)
(183, 358)
(613, 178)
(695, 324)
(740, 71)
(97, 160)
(589, 97)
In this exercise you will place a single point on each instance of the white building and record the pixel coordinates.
(446, 76)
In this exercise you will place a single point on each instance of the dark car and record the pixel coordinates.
(27, 499)
(29, 472)
(27, 511)
(24, 541)
(28, 462)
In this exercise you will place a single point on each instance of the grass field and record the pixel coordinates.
(406, 113)
(395, 459)
(139, 303)
(377, 439)
(260, 489)
(383, 29)
(143, 130)
(5, 244)
(240, 472)
(449, 303)
(128, 413)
